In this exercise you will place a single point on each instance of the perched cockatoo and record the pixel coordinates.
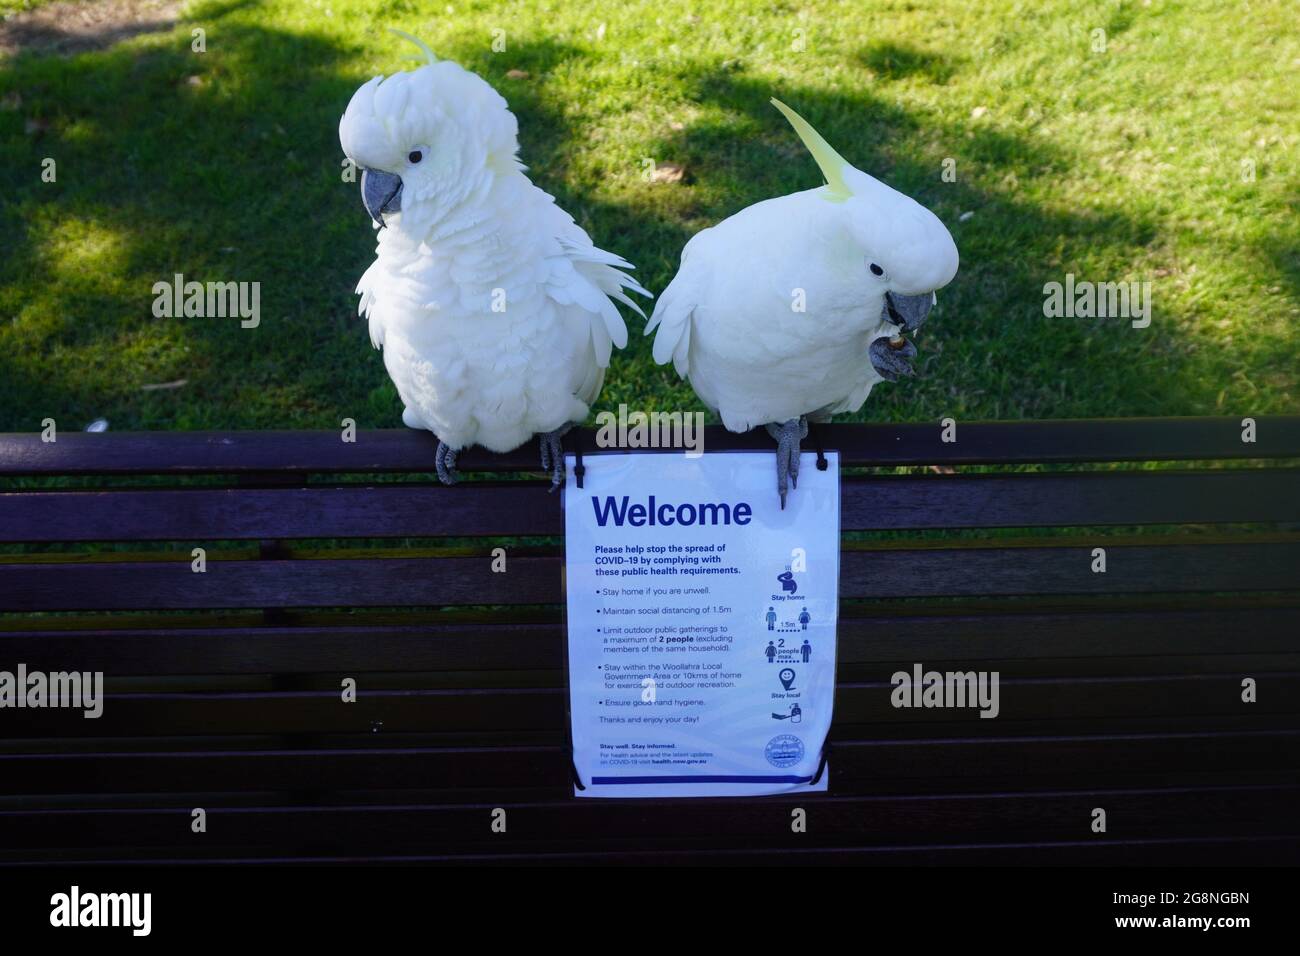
(492, 306)
(793, 308)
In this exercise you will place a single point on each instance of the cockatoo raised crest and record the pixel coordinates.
(494, 309)
(793, 308)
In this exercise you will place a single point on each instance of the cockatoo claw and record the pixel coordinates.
(891, 360)
(788, 436)
(553, 455)
(444, 460)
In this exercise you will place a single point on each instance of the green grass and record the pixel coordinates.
(1117, 165)
(16, 6)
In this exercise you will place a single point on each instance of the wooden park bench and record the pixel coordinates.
(326, 561)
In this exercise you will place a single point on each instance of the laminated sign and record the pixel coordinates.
(701, 624)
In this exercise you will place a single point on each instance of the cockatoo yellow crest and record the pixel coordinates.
(794, 308)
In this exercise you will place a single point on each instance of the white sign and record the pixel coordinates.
(701, 624)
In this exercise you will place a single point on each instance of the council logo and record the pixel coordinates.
(784, 750)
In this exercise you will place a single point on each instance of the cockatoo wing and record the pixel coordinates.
(729, 321)
(675, 308)
(582, 275)
(366, 289)
(496, 313)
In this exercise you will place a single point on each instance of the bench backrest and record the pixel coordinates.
(328, 560)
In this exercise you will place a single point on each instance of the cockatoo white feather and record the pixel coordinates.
(730, 323)
(492, 306)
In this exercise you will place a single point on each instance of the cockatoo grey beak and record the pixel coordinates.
(381, 192)
(909, 311)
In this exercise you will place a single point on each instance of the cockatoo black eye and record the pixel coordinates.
(876, 270)
(414, 156)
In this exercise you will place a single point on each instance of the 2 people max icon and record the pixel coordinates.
(771, 651)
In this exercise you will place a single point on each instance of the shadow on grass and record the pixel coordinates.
(223, 167)
(227, 167)
(894, 61)
(985, 350)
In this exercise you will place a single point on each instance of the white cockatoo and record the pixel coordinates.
(492, 306)
(793, 308)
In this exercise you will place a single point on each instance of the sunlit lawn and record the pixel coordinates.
(1132, 163)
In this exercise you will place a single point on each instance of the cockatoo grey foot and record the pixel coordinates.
(788, 436)
(553, 454)
(890, 358)
(444, 459)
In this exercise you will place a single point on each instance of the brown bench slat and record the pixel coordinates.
(1092, 760)
(1274, 850)
(863, 639)
(843, 821)
(1279, 850)
(885, 573)
(1066, 440)
(1063, 500)
(1172, 723)
(543, 709)
(980, 571)
(962, 727)
(256, 650)
(513, 508)
(354, 511)
(352, 582)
